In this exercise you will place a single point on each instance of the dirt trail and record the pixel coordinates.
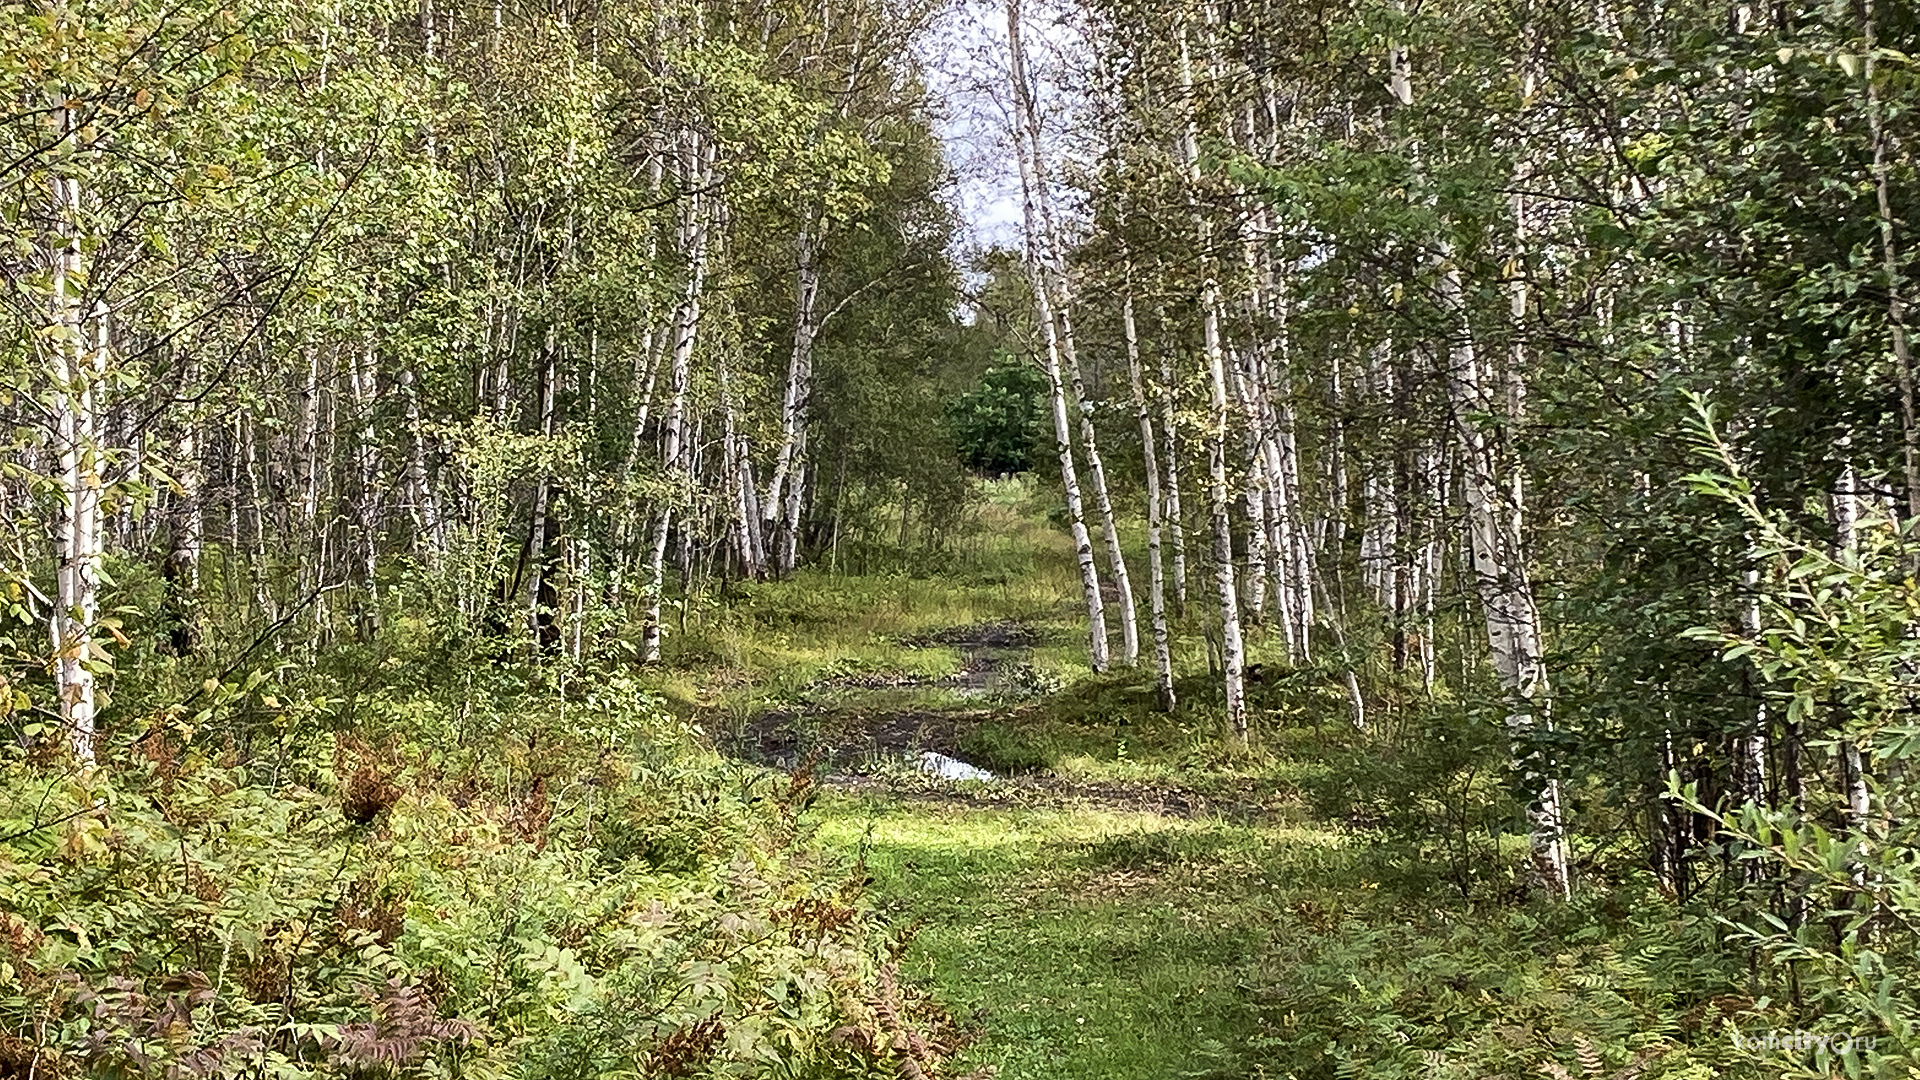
(858, 735)
(853, 727)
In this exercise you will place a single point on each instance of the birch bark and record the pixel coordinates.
(783, 488)
(1028, 152)
(1170, 431)
(695, 168)
(79, 345)
(1156, 578)
(1219, 499)
(1495, 520)
(1054, 277)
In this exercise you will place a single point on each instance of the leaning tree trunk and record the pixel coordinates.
(1054, 273)
(1102, 501)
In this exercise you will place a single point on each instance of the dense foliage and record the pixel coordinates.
(996, 425)
(393, 393)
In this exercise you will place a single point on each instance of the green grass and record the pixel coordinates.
(763, 642)
(1149, 901)
(1086, 942)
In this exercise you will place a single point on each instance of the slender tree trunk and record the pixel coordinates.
(1219, 498)
(686, 325)
(1854, 766)
(1256, 497)
(1170, 431)
(745, 526)
(1102, 501)
(253, 494)
(79, 348)
(1336, 461)
(1495, 517)
(1506, 595)
(1890, 264)
(1053, 279)
(782, 488)
(363, 374)
(425, 511)
(540, 613)
(1156, 579)
(1433, 464)
(1028, 154)
(181, 571)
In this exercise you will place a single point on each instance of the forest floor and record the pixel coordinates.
(1130, 898)
(1082, 914)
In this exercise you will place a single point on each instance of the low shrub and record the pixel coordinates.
(593, 899)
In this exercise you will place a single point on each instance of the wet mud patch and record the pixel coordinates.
(870, 732)
(835, 741)
(1044, 791)
(845, 724)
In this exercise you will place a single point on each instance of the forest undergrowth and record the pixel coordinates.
(390, 866)
(1134, 898)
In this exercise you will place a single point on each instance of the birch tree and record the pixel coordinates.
(1027, 151)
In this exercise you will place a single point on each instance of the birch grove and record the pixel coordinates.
(487, 338)
(1527, 390)
(1466, 321)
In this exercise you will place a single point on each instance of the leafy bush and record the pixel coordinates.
(1836, 918)
(997, 424)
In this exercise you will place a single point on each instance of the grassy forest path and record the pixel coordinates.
(1128, 898)
(1106, 905)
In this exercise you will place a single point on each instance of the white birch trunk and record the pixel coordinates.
(1028, 154)
(79, 347)
(783, 489)
(425, 510)
(1219, 500)
(1054, 277)
(1495, 521)
(1156, 578)
(1102, 501)
(181, 574)
(363, 376)
(1380, 510)
(1433, 464)
(542, 494)
(694, 221)
(1505, 590)
(1255, 496)
(1176, 522)
(738, 478)
(254, 495)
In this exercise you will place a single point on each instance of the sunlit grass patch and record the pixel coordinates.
(1084, 942)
